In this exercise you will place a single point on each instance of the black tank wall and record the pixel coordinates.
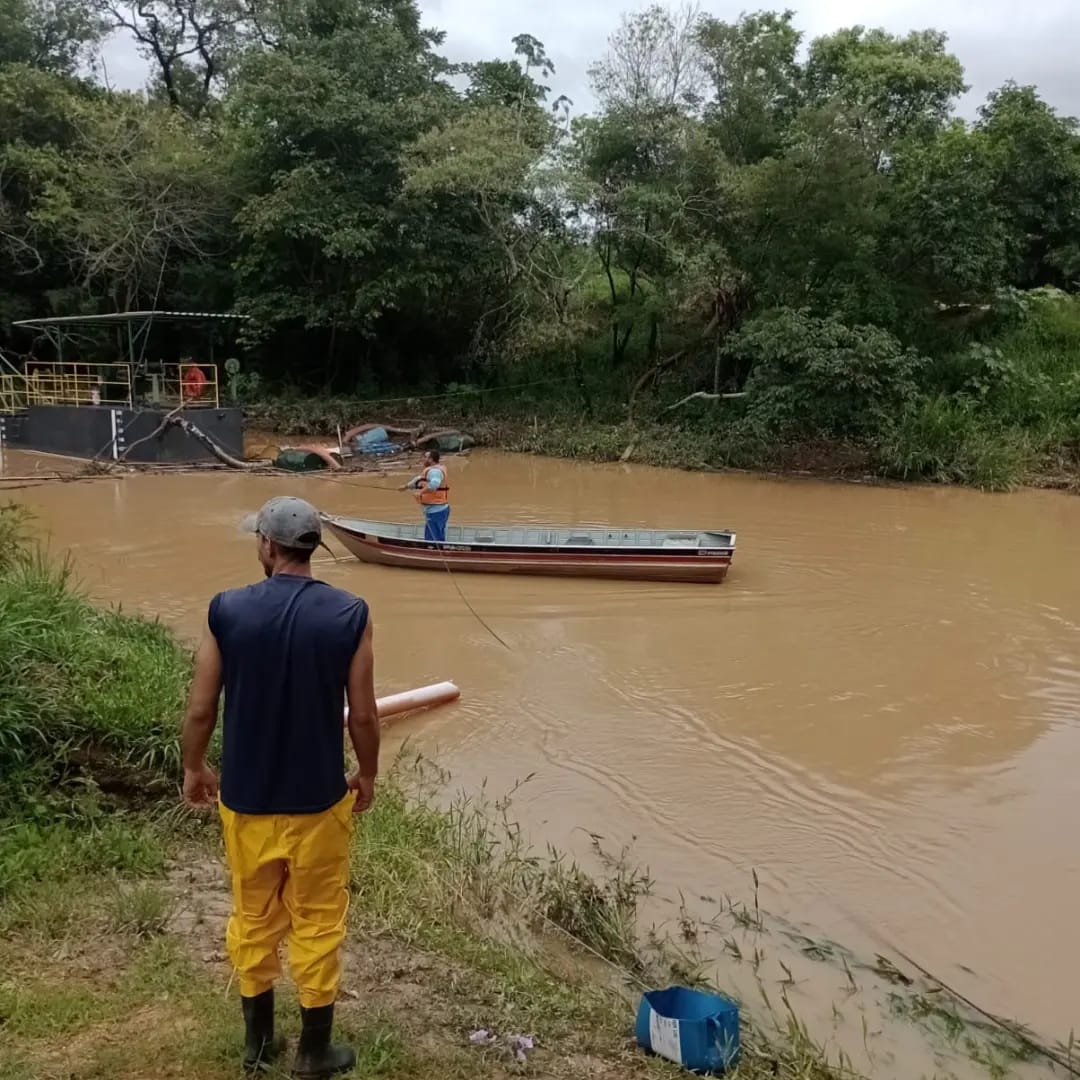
(86, 431)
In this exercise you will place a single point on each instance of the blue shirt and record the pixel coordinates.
(286, 648)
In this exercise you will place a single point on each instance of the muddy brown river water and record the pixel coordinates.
(879, 710)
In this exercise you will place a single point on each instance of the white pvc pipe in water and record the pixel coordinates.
(423, 697)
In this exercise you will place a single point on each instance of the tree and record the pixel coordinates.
(502, 82)
(326, 242)
(188, 43)
(390, 219)
(655, 188)
(816, 377)
(653, 62)
(651, 182)
(53, 35)
(885, 87)
(809, 224)
(39, 113)
(948, 233)
(505, 161)
(138, 193)
(756, 82)
(1037, 186)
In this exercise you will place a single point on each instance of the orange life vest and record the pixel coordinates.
(193, 383)
(439, 497)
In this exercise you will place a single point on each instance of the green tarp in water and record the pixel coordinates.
(299, 461)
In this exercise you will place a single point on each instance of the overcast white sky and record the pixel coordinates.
(1037, 41)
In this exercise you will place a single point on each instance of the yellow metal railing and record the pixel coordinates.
(12, 394)
(195, 386)
(78, 384)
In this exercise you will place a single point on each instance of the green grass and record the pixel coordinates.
(32, 852)
(412, 844)
(151, 1012)
(140, 909)
(89, 699)
(131, 996)
(459, 879)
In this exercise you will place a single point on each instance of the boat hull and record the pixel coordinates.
(705, 566)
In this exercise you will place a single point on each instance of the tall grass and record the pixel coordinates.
(86, 695)
(466, 861)
(1005, 408)
(949, 440)
(1030, 376)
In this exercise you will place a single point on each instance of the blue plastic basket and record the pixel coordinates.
(696, 1030)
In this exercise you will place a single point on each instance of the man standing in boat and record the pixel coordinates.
(287, 653)
(432, 487)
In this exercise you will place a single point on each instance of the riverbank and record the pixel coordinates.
(939, 449)
(995, 408)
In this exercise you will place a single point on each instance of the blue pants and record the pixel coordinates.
(435, 519)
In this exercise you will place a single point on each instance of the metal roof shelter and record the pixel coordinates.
(58, 328)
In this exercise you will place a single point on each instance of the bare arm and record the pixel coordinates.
(364, 719)
(200, 783)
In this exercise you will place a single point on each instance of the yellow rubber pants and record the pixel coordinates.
(290, 875)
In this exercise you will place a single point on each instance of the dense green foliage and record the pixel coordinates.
(812, 225)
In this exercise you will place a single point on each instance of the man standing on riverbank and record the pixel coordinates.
(432, 488)
(286, 652)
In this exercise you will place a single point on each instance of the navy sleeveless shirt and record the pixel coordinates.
(286, 647)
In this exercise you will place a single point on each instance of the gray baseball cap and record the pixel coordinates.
(289, 521)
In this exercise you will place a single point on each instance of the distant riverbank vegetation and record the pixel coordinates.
(748, 249)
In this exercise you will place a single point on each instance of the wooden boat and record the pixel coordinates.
(637, 554)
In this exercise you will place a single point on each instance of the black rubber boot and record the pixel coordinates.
(316, 1058)
(260, 1046)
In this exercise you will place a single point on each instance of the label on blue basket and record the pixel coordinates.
(664, 1037)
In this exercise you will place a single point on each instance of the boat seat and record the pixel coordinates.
(681, 542)
(488, 539)
(578, 541)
